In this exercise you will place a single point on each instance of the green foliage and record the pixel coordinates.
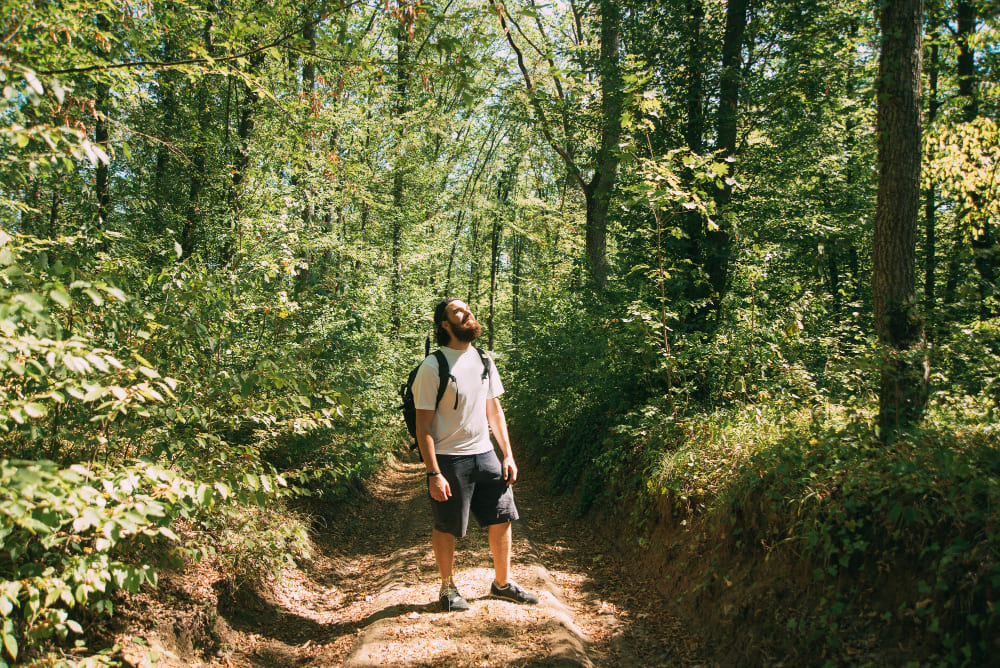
(905, 536)
(69, 538)
(224, 227)
(47, 368)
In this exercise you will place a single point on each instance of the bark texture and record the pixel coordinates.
(904, 371)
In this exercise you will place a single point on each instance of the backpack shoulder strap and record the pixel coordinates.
(486, 362)
(444, 373)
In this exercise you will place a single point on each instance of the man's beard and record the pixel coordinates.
(468, 331)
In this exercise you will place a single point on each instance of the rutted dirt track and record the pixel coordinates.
(369, 597)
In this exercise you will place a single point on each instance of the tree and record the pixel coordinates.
(605, 158)
(719, 239)
(905, 370)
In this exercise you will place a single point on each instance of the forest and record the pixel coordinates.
(737, 261)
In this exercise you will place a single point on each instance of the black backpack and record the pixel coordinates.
(444, 375)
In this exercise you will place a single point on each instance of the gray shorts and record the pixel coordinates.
(477, 484)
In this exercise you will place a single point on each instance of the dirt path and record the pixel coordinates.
(369, 598)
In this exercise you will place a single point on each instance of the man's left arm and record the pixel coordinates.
(498, 425)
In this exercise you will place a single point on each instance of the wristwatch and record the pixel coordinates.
(431, 474)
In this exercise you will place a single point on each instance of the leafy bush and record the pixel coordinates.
(80, 381)
(69, 537)
(903, 541)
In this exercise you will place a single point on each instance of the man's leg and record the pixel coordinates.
(444, 553)
(504, 587)
(500, 539)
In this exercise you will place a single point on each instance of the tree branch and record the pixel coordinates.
(533, 96)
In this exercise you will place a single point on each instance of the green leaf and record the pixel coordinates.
(31, 301)
(10, 644)
(95, 296)
(33, 82)
(35, 409)
(204, 495)
(60, 297)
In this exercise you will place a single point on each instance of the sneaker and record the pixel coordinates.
(512, 592)
(452, 600)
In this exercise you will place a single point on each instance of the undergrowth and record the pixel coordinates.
(826, 545)
(902, 539)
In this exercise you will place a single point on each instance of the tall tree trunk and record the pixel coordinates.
(199, 173)
(985, 251)
(454, 251)
(399, 214)
(54, 212)
(598, 191)
(517, 263)
(718, 240)
(930, 195)
(494, 271)
(308, 93)
(167, 91)
(476, 262)
(842, 248)
(102, 185)
(244, 130)
(965, 12)
(904, 369)
(693, 222)
(694, 123)
(968, 79)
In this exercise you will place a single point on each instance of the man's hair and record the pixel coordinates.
(441, 315)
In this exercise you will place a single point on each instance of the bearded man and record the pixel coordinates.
(464, 472)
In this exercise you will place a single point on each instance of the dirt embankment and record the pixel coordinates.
(369, 598)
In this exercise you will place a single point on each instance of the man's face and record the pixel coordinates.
(462, 323)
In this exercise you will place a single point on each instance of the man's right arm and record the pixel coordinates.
(436, 483)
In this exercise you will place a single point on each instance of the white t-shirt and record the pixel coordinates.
(463, 430)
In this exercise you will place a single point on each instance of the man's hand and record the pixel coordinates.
(439, 487)
(509, 470)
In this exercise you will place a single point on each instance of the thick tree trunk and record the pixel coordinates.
(696, 290)
(718, 241)
(598, 191)
(904, 369)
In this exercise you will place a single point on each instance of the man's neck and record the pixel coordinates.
(455, 344)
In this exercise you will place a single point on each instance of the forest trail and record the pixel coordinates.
(369, 597)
